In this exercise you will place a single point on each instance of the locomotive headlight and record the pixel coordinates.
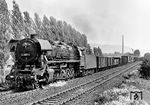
(32, 76)
(11, 76)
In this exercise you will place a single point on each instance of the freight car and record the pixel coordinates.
(90, 64)
(117, 61)
(39, 61)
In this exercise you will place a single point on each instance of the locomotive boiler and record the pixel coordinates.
(41, 61)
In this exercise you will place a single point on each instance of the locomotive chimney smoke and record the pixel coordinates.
(33, 36)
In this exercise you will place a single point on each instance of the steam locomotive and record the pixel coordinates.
(39, 61)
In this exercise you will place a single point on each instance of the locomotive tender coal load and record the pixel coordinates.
(39, 61)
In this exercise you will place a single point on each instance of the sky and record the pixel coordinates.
(103, 21)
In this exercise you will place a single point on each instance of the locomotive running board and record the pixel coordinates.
(65, 61)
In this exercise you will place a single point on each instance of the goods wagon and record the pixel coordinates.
(101, 62)
(124, 60)
(116, 61)
(109, 61)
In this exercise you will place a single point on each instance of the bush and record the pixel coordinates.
(145, 69)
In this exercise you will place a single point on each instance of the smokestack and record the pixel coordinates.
(122, 44)
(33, 36)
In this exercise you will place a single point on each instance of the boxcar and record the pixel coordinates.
(109, 61)
(101, 62)
(116, 61)
(112, 61)
(124, 60)
(131, 58)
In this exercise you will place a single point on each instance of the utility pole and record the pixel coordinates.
(122, 44)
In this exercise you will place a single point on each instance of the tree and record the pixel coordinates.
(4, 25)
(46, 28)
(53, 24)
(17, 21)
(60, 30)
(145, 67)
(97, 51)
(65, 30)
(89, 50)
(4, 20)
(84, 40)
(27, 23)
(3, 17)
(33, 28)
(69, 31)
(147, 56)
(39, 28)
(137, 53)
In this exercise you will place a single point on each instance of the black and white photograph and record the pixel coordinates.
(74, 52)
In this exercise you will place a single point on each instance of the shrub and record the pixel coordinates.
(145, 69)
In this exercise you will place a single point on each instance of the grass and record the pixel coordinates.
(120, 94)
(117, 96)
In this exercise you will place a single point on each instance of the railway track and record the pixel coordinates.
(32, 96)
(66, 96)
(5, 92)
